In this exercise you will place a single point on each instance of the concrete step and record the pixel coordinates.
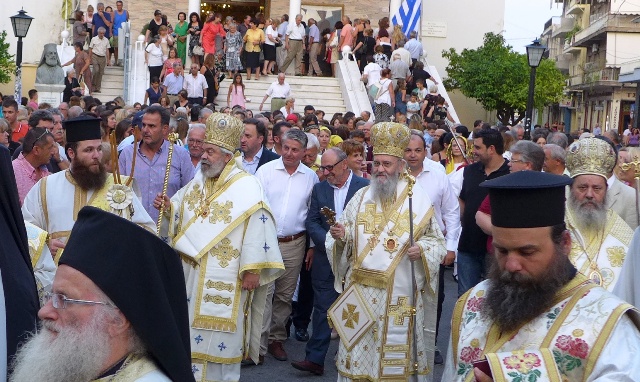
(322, 92)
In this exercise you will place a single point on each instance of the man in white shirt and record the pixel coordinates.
(196, 86)
(173, 82)
(447, 210)
(282, 32)
(288, 184)
(98, 48)
(294, 45)
(405, 55)
(279, 91)
(314, 48)
(414, 47)
(371, 72)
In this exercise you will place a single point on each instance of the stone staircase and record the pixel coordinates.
(322, 92)
(112, 84)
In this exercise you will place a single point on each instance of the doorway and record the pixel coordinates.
(237, 9)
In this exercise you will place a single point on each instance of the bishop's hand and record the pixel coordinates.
(337, 231)
(414, 253)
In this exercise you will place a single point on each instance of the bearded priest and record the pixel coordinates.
(53, 203)
(221, 225)
(536, 317)
(381, 313)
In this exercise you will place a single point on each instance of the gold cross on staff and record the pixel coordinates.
(329, 214)
(370, 218)
(400, 311)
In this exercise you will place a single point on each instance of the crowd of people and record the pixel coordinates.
(166, 240)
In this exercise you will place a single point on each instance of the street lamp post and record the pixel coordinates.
(20, 23)
(534, 56)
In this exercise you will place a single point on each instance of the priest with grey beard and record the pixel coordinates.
(536, 317)
(117, 311)
(599, 235)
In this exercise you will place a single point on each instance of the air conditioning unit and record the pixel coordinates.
(595, 47)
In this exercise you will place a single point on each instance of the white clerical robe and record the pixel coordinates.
(137, 369)
(600, 258)
(587, 335)
(53, 204)
(372, 257)
(628, 285)
(42, 263)
(223, 229)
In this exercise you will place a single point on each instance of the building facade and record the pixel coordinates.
(590, 43)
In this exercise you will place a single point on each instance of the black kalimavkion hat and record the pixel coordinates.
(143, 277)
(82, 128)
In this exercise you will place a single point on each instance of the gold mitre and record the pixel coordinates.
(591, 156)
(390, 138)
(224, 130)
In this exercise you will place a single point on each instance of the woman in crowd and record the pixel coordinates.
(401, 98)
(153, 94)
(123, 130)
(355, 157)
(210, 73)
(540, 138)
(79, 28)
(166, 41)
(234, 50)
(270, 143)
(287, 109)
(210, 31)
(153, 28)
(5, 137)
(397, 36)
(167, 66)
(336, 120)
(81, 63)
(153, 58)
(380, 58)
(324, 136)
(443, 144)
(181, 31)
(454, 159)
(88, 19)
(71, 86)
(270, 40)
(385, 102)
(253, 39)
(195, 29)
(182, 100)
(634, 138)
(332, 47)
(235, 97)
(384, 41)
(365, 46)
(165, 102)
(107, 123)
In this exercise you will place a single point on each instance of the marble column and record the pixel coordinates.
(294, 9)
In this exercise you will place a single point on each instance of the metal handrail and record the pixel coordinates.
(125, 31)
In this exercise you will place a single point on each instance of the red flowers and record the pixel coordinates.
(574, 346)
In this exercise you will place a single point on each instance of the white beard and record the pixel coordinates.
(384, 190)
(211, 170)
(74, 355)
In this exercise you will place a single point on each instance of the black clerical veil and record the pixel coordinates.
(18, 282)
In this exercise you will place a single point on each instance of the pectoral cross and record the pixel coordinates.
(370, 218)
(329, 214)
(400, 311)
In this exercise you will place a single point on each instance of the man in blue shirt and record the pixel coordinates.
(101, 19)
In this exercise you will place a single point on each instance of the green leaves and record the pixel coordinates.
(7, 64)
(498, 78)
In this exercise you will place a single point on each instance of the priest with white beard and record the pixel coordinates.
(117, 311)
(371, 250)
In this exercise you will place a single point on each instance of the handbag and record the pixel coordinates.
(278, 43)
(334, 41)
(198, 50)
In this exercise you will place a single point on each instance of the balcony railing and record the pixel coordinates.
(606, 74)
(607, 23)
(566, 24)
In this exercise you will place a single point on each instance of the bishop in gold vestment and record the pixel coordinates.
(371, 250)
(221, 225)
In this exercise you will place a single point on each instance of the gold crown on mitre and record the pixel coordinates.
(591, 156)
(390, 138)
(224, 130)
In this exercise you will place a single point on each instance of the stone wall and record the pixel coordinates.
(373, 10)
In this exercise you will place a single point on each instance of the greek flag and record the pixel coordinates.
(408, 15)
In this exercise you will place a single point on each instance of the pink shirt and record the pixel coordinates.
(346, 35)
(26, 176)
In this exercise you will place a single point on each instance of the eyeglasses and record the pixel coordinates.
(194, 142)
(60, 301)
(385, 164)
(46, 131)
(517, 160)
(329, 167)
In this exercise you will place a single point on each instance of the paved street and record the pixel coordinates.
(274, 371)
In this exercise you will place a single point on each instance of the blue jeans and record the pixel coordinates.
(471, 269)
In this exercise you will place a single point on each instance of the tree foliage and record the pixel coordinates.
(498, 78)
(7, 64)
